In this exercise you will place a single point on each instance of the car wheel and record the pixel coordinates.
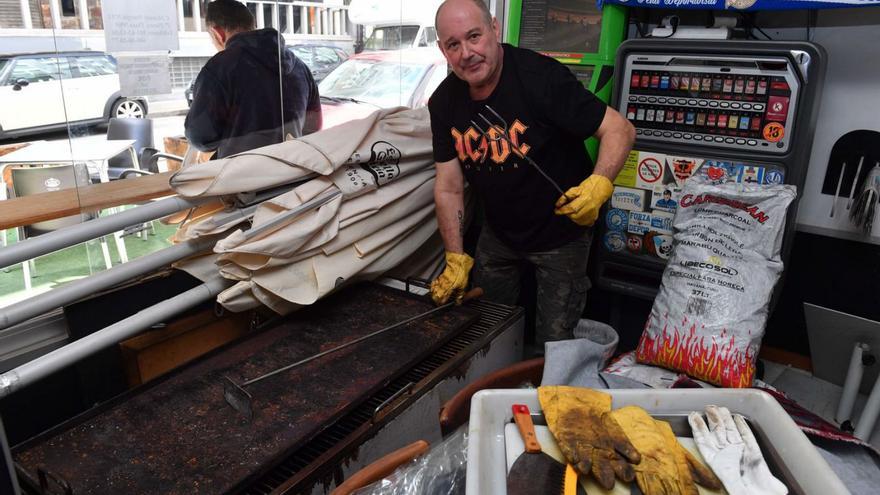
(126, 108)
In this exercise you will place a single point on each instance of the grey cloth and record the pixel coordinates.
(577, 362)
(857, 467)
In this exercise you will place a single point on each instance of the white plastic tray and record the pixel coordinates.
(804, 469)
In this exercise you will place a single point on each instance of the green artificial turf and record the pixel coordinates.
(73, 263)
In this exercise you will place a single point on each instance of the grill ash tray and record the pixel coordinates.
(178, 434)
(788, 452)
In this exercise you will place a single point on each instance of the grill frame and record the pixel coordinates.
(317, 462)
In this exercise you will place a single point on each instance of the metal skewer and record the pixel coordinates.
(239, 398)
(503, 136)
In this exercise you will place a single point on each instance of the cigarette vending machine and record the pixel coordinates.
(740, 110)
(577, 33)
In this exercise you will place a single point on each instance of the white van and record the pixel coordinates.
(396, 24)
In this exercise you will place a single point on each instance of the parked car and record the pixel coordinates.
(321, 59)
(371, 80)
(44, 91)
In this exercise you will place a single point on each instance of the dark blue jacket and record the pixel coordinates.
(237, 104)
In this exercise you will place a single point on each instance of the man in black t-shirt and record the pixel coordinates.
(539, 111)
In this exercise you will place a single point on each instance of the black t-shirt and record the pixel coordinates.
(548, 114)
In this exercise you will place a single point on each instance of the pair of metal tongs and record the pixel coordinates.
(501, 135)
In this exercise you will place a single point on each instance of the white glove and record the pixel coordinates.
(730, 449)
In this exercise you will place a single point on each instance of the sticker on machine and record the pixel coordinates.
(617, 219)
(660, 245)
(774, 132)
(774, 177)
(634, 243)
(750, 174)
(665, 198)
(650, 170)
(639, 223)
(680, 169)
(719, 171)
(614, 242)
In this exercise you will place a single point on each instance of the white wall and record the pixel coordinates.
(850, 101)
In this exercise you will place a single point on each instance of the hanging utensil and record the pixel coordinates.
(837, 191)
(855, 182)
(862, 214)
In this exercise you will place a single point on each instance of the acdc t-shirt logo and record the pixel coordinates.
(475, 147)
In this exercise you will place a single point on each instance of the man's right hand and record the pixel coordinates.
(453, 281)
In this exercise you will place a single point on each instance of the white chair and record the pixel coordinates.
(35, 180)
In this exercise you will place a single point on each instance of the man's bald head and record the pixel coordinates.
(480, 4)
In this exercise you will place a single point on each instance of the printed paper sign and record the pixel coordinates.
(627, 175)
(145, 25)
(649, 170)
(144, 75)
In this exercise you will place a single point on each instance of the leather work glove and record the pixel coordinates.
(729, 446)
(453, 280)
(581, 203)
(666, 467)
(587, 436)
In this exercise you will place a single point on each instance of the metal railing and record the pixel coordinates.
(288, 16)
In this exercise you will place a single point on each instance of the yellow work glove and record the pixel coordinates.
(587, 436)
(581, 203)
(667, 468)
(453, 280)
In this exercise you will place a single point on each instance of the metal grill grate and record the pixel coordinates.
(492, 316)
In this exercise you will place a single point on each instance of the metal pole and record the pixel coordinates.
(25, 7)
(197, 15)
(181, 20)
(55, 13)
(851, 385)
(83, 7)
(8, 482)
(58, 359)
(261, 16)
(69, 236)
(869, 414)
(73, 291)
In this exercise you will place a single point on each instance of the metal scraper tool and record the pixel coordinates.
(534, 472)
(242, 401)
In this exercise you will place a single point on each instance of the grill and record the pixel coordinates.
(312, 449)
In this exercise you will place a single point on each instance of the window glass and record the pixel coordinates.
(325, 55)
(381, 83)
(40, 69)
(392, 37)
(94, 65)
(304, 53)
(432, 35)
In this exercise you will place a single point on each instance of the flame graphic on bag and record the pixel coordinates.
(720, 361)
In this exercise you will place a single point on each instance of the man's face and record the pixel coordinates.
(471, 46)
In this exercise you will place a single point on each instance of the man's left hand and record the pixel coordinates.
(581, 203)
